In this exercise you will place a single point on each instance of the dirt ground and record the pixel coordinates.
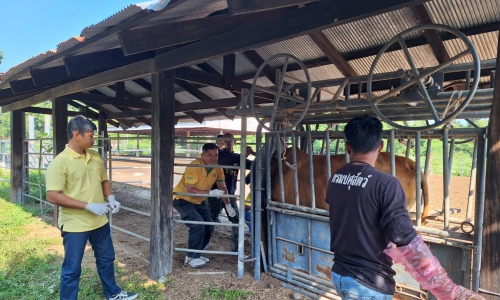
(133, 253)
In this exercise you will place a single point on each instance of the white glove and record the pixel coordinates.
(216, 193)
(99, 209)
(230, 210)
(115, 205)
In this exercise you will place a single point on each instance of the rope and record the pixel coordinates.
(457, 102)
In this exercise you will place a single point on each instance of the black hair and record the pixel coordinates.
(364, 134)
(220, 136)
(80, 124)
(209, 146)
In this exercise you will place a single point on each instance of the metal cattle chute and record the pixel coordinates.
(298, 237)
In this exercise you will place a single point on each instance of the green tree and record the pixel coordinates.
(1, 56)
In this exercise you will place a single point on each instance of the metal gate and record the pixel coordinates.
(299, 237)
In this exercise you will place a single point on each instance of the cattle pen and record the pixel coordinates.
(302, 69)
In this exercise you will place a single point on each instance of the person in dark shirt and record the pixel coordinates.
(227, 157)
(367, 211)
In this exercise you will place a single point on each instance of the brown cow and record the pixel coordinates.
(405, 173)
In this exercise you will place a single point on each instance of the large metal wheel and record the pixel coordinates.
(418, 78)
(284, 99)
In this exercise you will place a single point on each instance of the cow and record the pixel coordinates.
(405, 173)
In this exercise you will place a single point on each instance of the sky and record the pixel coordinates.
(31, 27)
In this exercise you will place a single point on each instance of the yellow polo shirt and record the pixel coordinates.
(202, 179)
(78, 177)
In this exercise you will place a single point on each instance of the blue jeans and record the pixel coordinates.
(74, 247)
(248, 219)
(349, 288)
(199, 235)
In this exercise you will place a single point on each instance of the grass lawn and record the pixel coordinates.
(30, 262)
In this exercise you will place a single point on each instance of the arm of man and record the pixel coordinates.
(396, 220)
(222, 186)
(106, 188)
(190, 188)
(58, 198)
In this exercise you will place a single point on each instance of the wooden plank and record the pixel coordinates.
(48, 75)
(18, 134)
(227, 102)
(257, 61)
(59, 135)
(162, 180)
(48, 111)
(161, 36)
(129, 114)
(333, 54)
(313, 17)
(228, 71)
(102, 128)
(201, 96)
(92, 110)
(131, 22)
(432, 36)
(119, 90)
(102, 60)
(245, 6)
(195, 116)
(123, 121)
(59, 124)
(490, 260)
(124, 73)
(27, 85)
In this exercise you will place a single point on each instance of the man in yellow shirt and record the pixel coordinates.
(77, 182)
(199, 180)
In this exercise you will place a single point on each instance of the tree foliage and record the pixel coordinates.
(1, 56)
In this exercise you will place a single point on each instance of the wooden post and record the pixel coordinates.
(60, 136)
(490, 260)
(17, 135)
(103, 130)
(188, 145)
(162, 165)
(138, 153)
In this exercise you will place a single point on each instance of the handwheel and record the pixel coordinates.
(417, 78)
(284, 100)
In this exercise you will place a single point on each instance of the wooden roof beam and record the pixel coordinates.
(257, 61)
(201, 96)
(48, 111)
(245, 6)
(313, 17)
(142, 16)
(432, 36)
(332, 53)
(94, 110)
(194, 115)
(160, 36)
(229, 69)
(102, 60)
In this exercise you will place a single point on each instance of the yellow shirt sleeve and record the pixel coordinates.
(55, 175)
(191, 175)
(220, 175)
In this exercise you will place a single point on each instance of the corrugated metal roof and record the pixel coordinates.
(216, 93)
(185, 97)
(302, 47)
(371, 32)
(464, 13)
(243, 65)
(486, 46)
(393, 61)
